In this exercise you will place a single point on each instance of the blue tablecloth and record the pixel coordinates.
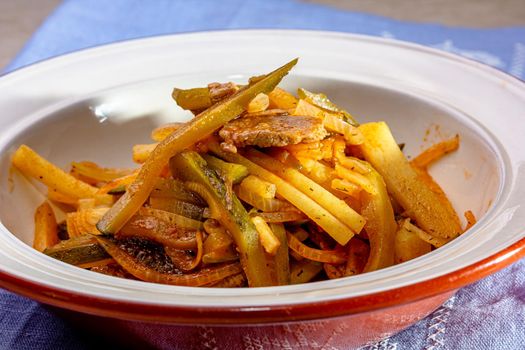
(489, 314)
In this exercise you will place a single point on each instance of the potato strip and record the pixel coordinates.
(404, 184)
(425, 177)
(267, 238)
(346, 187)
(356, 178)
(339, 231)
(33, 165)
(334, 205)
(164, 131)
(408, 245)
(320, 173)
(46, 232)
(424, 236)
(258, 186)
(282, 99)
(58, 197)
(259, 104)
(141, 152)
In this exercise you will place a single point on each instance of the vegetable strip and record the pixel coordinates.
(203, 277)
(309, 176)
(335, 206)
(281, 259)
(421, 204)
(304, 271)
(158, 230)
(435, 152)
(264, 204)
(46, 233)
(380, 225)
(268, 239)
(32, 164)
(199, 128)
(325, 256)
(229, 212)
(96, 173)
(339, 231)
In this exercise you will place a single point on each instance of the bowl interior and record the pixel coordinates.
(104, 127)
(94, 105)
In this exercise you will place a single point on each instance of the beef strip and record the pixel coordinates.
(272, 131)
(219, 92)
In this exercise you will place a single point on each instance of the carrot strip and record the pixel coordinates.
(471, 220)
(435, 152)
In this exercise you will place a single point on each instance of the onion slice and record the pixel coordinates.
(144, 273)
(325, 256)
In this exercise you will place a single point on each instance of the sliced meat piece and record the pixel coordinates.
(272, 131)
(216, 93)
(219, 92)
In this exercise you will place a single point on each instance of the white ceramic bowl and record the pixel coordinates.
(95, 104)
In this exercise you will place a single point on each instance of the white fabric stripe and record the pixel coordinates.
(437, 325)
